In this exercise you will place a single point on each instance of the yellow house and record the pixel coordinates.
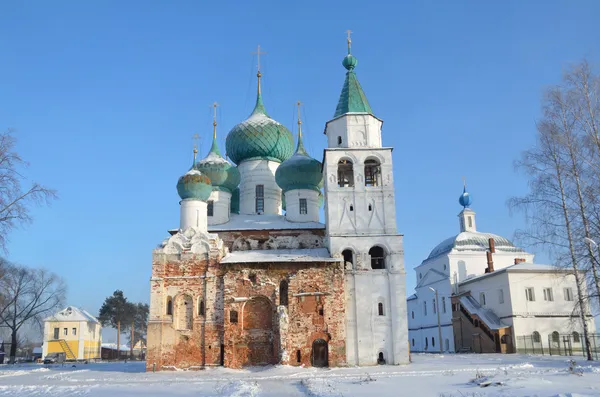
(74, 332)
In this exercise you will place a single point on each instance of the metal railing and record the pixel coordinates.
(558, 344)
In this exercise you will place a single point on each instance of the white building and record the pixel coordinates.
(492, 297)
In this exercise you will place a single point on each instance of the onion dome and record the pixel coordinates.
(352, 99)
(194, 185)
(299, 171)
(222, 174)
(234, 205)
(259, 137)
(465, 199)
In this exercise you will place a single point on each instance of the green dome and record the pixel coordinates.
(234, 206)
(299, 171)
(350, 62)
(194, 185)
(259, 137)
(222, 174)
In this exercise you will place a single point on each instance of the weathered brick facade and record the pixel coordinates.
(205, 312)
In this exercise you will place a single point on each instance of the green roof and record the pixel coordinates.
(353, 98)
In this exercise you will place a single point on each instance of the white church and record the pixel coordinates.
(479, 292)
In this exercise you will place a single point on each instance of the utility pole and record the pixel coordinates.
(437, 309)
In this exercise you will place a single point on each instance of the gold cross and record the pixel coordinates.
(348, 32)
(464, 181)
(258, 54)
(214, 105)
(195, 138)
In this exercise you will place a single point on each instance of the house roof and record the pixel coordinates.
(473, 241)
(291, 255)
(72, 313)
(262, 222)
(524, 267)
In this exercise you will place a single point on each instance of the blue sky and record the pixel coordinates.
(105, 97)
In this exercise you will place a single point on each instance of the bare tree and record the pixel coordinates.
(28, 296)
(15, 199)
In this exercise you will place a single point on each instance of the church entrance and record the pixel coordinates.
(319, 355)
(258, 329)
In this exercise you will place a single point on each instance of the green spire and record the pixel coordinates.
(352, 99)
(215, 147)
(300, 148)
(259, 108)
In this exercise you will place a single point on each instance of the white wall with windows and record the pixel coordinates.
(259, 193)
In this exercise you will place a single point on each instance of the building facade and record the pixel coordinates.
(252, 276)
(479, 292)
(73, 331)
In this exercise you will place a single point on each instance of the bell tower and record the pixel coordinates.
(360, 214)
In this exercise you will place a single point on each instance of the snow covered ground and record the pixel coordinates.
(428, 375)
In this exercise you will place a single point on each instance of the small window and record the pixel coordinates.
(504, 339)
(536, 337)
(433, 305)
(548, 295)
(252, 278)
(420, 276)
(56, 333)
(380, 308)
(320, 311)
(530, 294)
(576, 337)
(283, 293)
(65, 331)
(201, 309)
(372, 173)
(169, 306)
(500, 296)
(470, 222)
(568, 293)
(445, 266)
(432, 341)
(482, 298)
(260, 199)
(210, 208)
(443, 304)
(424, 308)
(348, 257)
(380, 359)
(555, 337)
(298, 356)
(377, 258)
(412, 314)
(413, 341)
(339, 140)
(370, 207)
(426, 343)
(345, 173)
(303, 207)
(233, 316)
(74, 331)
(351, 207)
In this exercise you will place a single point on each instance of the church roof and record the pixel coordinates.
(473, 241)
(352, 99)
(72, 313)
(262, 222)
(274, 256)
(524, 267)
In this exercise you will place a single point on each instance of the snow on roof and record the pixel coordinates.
(488, 316)
(525, 267)
(72, 313)
(412, 297)
(113, 346)
(473, 241)
(262, 222)
(292, 255)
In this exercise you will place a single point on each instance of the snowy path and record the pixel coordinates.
(429, 375)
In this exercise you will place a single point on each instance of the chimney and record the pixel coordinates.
(490, 262)
(519, 260)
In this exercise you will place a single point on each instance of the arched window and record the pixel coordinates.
(504, 339)
(184, 312)
(536, 337)
(576, 337)
(380, 309)
(298, 356)
(432, 341)
(372, 173)
(555, 337)
(348, 257)
(380, 359)
(169, 306)
(345, 173)
(233, 316)
(283, 293)
(201, 309)
(377, 258)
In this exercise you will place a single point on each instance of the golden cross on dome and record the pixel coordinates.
(299, 121)
(258, 53)
(464, 181)
(214, 105)
(195, 138)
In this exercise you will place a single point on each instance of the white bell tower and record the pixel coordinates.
(360, 214)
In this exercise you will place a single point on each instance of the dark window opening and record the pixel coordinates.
(345, 174)
(412, 314)
(575, 337)
(413, 341)
(555, 337)
(320, 311)
(536, 337)
(233, 316)
(351, 207)
(339, 140)
(380, 308)
(432, 341)
(260, 199)
(210, 208)
(201, 309)
(504, 340)
(283, 293)
(303, 207)
(298, 356)
(377, 258)
(370, 207)
(380, 359)
(348, 257)
(169, 306)
(372, 173)
(252, 278)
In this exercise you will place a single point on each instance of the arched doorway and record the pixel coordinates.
(319, 355)
(258, 331)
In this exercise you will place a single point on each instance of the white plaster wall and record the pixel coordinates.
(193, 214)
(470, 264)
(356, 130)
(259, 172)
(347, 208)
(491, 286)
(221, 207)
(292, 203)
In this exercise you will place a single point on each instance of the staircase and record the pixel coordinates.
(65, 346)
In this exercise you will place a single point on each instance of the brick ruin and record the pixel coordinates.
(208, 312)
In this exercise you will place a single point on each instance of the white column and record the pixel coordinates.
(193, 214)
(221, 207)
(259, 172)
(293, 207)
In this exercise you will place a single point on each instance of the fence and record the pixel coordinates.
(557, 344)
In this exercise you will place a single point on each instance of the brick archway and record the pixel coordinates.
(257, 322)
